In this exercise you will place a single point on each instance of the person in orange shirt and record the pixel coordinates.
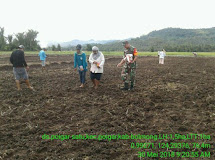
(130, 65)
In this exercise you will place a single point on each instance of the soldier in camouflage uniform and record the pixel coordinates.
(129, 69)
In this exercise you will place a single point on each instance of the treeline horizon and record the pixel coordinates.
(168, 48)
(170, 39)
(12, 41)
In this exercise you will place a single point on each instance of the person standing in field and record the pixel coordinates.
(161, 55)
(130, 65)
(195, 54)
(43, 57)
(97, 61)
(17, 58)
(80, 62)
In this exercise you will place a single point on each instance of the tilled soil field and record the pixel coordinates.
(175, 98)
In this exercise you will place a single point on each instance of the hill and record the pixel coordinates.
(171, 39)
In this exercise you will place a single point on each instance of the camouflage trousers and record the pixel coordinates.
(128, 74)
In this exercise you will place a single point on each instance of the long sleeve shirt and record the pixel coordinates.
(80, 60)
(162, 54)
(42, 55)
(17, 58)
(100, 60)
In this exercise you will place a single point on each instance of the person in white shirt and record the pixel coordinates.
(97, 61)
(195, 54)
(161, 55)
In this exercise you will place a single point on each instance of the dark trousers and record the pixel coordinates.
(82, 76)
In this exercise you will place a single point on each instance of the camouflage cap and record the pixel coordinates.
(124, 43)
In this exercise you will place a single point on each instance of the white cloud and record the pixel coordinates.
(64, 20)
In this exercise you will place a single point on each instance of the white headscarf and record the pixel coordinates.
(96, 55)
(95, 48)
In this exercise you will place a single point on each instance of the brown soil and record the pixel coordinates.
(178, 97)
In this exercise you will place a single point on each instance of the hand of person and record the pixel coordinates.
(119, 65)
(27, 68)
(75, 69)
(97, 65)
(94, 62)
(81, 69)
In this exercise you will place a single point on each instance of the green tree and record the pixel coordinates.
(89, 47)
(58, 47)
(10, 39)
(20, 39)
(2, 39)
(152, 49)
(53, 48)
(30, 40)
(10, 45)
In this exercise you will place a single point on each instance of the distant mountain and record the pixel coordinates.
(76, 42)
(172, 39)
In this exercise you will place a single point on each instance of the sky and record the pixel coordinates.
(65, 20)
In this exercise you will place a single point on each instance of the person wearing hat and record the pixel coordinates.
(129, 69)
(43, 57)
(80, 62)
(97, 61)
(17, 58)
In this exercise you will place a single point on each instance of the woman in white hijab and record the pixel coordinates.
(97, 61)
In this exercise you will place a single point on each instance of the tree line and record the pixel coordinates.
(117, 46)
(171, 39)
(12, 41)
(55, 48)
(87, 47)
(152, 47)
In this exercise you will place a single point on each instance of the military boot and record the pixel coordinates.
(131, 86)
(125, 87)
